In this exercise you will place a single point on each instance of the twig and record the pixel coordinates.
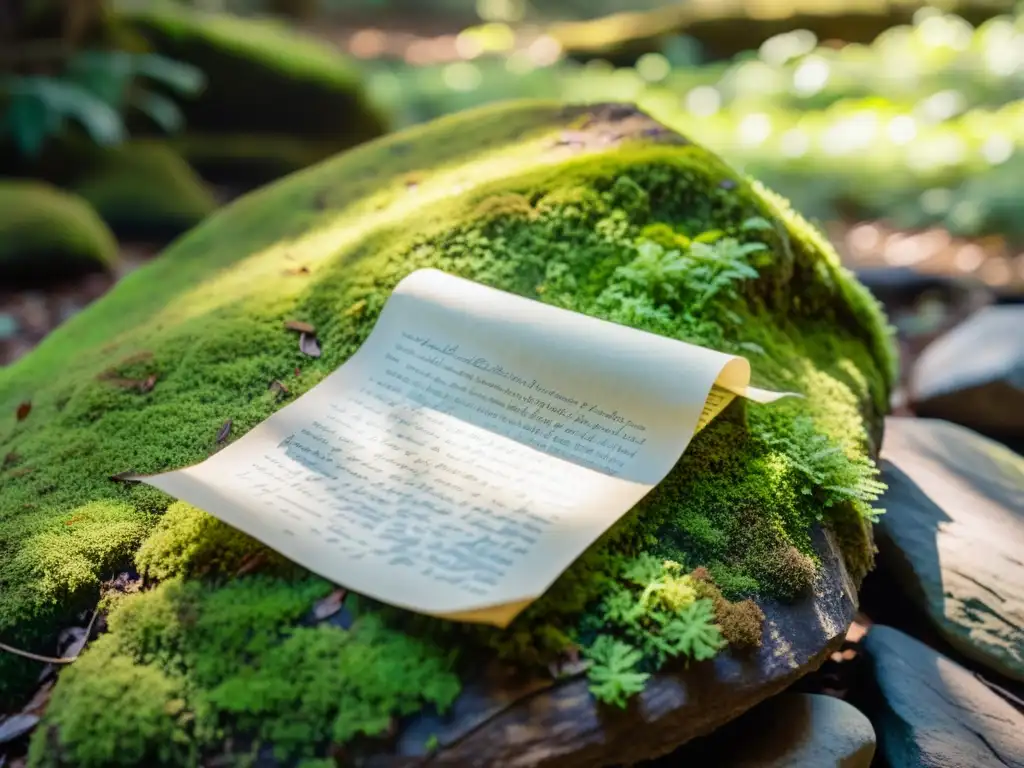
(36, 656)
(52, 659)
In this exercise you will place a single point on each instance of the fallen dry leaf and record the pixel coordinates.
(297, 271)
(148, 384)
(278, 387)
(225, 430)
(251, 563)
(24, 410)
(299, 326)
(297, 372)
(308, 345)
(329, 605)
(569, 663)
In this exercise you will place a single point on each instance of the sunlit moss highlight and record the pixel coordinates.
(598, 210)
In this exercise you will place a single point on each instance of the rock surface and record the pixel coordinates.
(935, 713)
(953, 535)
(792, 730)
(974, 375)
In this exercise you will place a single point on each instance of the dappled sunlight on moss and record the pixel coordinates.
(189, 542)
(630, 229)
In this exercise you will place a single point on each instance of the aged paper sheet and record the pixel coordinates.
(472, 448)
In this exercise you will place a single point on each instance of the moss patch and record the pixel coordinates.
(200, 665)
(267, 87)
(46, 235)
(634, 226)
(144, 190)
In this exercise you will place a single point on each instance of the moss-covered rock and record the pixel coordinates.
(47, 235)
(143, 190)
(263, 81)
(597, 209)
(249, 160)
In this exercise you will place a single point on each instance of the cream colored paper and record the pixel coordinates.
(469, 451)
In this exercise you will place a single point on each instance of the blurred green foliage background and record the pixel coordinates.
(904, 111)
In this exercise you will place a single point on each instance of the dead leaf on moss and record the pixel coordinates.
(297, 271)
(300, 327)
(308, 345)
(225, 430)
(278, 388)
(329, 605)
(24, 410)
(251, 563)
(297, 372)
(142, 385)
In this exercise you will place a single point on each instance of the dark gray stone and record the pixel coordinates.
(794, 730)
(953, 535)
(936, 714)
(974, 375)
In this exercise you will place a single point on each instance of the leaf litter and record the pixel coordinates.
(308, 345)
(300, 327)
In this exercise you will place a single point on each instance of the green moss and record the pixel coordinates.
(135, 717)
(262, 80)
(509, 205)
(187, 541)
(46, 234)
(202, 665)
(144, 190)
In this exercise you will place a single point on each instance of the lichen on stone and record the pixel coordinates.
(638, 228)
